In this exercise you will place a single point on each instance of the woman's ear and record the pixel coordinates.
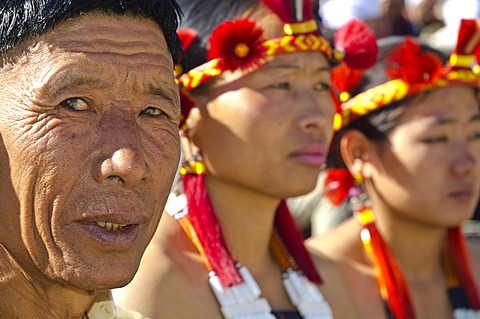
(192, 121)
(189, 132)
(356, 149)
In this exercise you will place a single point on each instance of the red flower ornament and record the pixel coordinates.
(237, 44)
(408, 63)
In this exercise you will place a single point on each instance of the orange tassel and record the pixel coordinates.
(393, 286)
(458, 255)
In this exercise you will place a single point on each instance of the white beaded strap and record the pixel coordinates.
(241, 301)
(466, 314)
(306, 296)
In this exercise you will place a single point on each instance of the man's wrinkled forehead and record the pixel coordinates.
(98, 33)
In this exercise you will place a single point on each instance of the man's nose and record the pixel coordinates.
(122, 156)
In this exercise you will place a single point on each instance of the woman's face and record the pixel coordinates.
(269, 130)
(428, 169)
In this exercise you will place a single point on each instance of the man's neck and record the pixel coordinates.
(24, 297)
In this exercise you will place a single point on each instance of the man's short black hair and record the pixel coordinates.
(22, 20)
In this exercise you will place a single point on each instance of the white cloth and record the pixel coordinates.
(335, 13)
(455, 10)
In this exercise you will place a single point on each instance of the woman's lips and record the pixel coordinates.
(463, 195)
(310, 159)
(311, 155)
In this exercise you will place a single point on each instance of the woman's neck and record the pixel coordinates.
(418, 247)
(246, 218)
(25, 297)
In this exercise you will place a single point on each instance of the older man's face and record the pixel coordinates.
(88, 121)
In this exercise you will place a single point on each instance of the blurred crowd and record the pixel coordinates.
(434, 21)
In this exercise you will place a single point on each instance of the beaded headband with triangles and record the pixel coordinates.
(239, 44)
(412, 72)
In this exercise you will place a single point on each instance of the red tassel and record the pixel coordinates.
(293, 241)
(208, 230)
(458, 255)
(358, 44)
(390, 276)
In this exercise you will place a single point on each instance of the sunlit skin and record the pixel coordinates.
(89, 126)
(423, 179)
(273, 125)
(263, 136)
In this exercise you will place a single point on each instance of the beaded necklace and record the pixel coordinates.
(243, 300)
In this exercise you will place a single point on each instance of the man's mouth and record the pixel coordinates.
(111, 226)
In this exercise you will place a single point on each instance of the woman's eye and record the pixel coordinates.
(152, 111)
(322, 87)
(76, 104)
(475, 136)
(282, 86)
(435, 140)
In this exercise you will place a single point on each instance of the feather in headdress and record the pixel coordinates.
(291, 11)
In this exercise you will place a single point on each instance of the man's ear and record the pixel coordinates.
(356, 150)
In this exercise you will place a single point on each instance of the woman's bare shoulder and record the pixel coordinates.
(337, 244)
(168, 270)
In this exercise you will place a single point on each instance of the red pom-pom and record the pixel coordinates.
(238, 44)
(358, 44)
(338, 183)
(407, 62)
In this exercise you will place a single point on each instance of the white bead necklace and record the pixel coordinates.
(243, 301)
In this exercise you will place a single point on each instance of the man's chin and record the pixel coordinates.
(100, 278)
(102, 283)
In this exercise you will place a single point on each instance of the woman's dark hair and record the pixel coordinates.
(204, 16)
(22, 20)
(377, 125)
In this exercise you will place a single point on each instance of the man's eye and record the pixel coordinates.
(152, 111)
(75, 104)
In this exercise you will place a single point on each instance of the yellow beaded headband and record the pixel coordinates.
(238, 44)
(414, 73)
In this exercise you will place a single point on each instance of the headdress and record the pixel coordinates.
(412, 72)
(239, 44)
